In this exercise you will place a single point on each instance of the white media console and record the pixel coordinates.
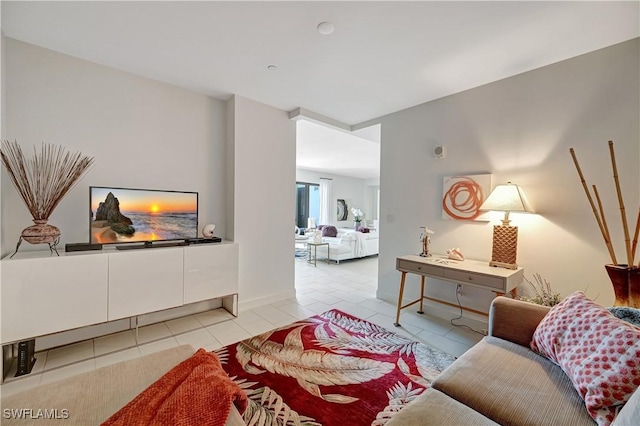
(42, 293)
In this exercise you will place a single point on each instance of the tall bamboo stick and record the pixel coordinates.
(623, 214)
(607, 241)
(634, 244)
(601, 209)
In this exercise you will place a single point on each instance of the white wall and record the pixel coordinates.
(229, 202)
(519, 129)
(372, 187)
(6, 353)
(142, 133)
(264, 176)
(238, 155)
(2, 79)
(3, 109)
(352, 190)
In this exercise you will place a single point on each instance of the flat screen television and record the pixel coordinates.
(128, 215)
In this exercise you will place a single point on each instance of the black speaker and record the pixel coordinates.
(82, 246)
(204, 240)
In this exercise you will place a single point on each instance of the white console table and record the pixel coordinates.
(43, 293)
(475, 273)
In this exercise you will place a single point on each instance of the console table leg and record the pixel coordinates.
(404, 275)
(421, 311)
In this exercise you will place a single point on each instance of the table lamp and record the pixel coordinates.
(507, 198)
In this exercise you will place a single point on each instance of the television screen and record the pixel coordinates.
(121, 215)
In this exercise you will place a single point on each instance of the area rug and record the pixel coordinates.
(330, 369)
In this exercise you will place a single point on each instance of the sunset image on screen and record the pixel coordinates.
(140, 201)
(130, 215)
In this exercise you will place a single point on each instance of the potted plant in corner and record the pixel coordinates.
(542, 292)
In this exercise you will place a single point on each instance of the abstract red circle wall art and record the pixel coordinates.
(463, 196)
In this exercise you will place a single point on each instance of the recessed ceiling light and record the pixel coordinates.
(272, 67)
(326, 28)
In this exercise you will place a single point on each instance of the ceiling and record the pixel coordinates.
(382, 57)
(328, 150)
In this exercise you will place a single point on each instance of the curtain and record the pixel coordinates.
(326, 218)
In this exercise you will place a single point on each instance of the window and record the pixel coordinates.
(307, 203)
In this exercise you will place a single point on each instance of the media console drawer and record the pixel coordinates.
(46, 295)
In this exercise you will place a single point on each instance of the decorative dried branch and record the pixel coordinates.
(623, 214)
(43, 180)
(607, 241)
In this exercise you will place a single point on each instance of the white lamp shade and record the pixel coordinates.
(507, 198)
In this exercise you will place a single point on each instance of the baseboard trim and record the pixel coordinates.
(245, 305)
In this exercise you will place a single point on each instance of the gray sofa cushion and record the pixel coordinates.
(512, 385)
(437, 409)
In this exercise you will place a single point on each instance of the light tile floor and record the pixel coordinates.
(349, 286)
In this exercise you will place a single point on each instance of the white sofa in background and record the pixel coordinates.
(349, 244)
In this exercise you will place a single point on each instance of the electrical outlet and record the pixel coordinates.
(459, 289)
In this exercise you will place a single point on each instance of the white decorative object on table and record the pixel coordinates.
(207, 231)
(455, 254)
(426, 241)
(317, 236)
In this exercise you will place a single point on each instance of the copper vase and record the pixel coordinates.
(41, 232)
(626, 284)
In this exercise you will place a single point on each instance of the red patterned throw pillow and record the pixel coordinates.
(599, 352)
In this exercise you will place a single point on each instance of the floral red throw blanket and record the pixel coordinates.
(330, 369)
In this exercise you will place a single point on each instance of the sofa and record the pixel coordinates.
(502, 381)
(349, 244)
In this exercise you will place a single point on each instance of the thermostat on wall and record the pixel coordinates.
(439, 151)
